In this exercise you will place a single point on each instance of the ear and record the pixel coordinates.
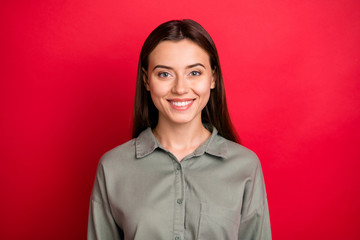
(213, 79)
(145, 79)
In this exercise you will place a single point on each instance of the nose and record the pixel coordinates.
(180, 85)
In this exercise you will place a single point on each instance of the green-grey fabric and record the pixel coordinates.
(142, 191)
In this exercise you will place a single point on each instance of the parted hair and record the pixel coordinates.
(215, 113)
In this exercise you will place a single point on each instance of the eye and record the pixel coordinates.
(195, 73)
(164, 74)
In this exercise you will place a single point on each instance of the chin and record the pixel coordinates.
(182, 120)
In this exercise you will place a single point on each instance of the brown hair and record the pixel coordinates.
(215, 112)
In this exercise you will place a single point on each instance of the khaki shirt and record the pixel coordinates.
(142, 191)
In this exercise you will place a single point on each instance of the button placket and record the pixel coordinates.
(179, 214)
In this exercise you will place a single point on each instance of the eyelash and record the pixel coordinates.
(197, 73)
(161, 74)
(192, 74)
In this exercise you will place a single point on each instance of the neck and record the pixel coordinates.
(181, 138)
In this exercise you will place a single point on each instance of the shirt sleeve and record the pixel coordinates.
(255, 220)
(101, 224)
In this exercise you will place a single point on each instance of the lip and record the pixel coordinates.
(181, 104)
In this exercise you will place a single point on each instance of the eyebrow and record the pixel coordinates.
(190, 66)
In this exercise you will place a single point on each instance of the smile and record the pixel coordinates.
(181, 104)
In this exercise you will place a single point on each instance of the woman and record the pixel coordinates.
(183, 176)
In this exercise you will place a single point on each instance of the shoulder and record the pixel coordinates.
(119, 154)
(236, 149)
(240, 155)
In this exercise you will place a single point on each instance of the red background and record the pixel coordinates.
(291, 70)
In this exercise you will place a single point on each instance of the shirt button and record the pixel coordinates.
(179, 201)
(177, 238)
(178, 168)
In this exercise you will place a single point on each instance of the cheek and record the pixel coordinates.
(202, 88)
(158, 92)
(156, 99)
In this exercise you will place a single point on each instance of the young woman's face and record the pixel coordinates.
(179, 78)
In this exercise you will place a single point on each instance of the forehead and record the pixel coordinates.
(178, 53)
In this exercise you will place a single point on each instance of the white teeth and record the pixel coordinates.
(180, 104)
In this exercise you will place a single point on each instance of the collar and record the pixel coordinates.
(146, 143)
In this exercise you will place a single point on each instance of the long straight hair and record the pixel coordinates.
(215, 113)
